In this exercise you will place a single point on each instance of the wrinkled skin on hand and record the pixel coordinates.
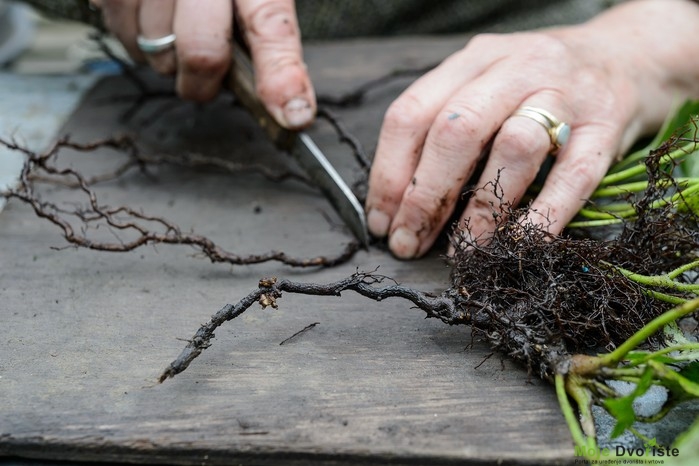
(611, 79)
(202, 52)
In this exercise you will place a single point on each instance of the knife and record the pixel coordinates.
(241, 80)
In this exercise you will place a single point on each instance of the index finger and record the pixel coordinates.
(203, 47)
(282, 81)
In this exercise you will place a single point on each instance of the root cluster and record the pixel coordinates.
(541, 298)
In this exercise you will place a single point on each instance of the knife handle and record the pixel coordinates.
(241, 80)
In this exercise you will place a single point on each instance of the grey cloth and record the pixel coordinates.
(335, 19)
(328, 19)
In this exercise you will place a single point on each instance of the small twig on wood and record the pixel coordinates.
(195, 160)
(121, 143)
(303, 330)
(270, 290)
(137, 159)
(347, 138)
(142, 229)
(485, 358)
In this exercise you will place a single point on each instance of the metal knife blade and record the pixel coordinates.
(321, 171)
(299, 144)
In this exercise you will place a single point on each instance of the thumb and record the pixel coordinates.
(282, 80)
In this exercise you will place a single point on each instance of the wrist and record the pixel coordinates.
(656, 55)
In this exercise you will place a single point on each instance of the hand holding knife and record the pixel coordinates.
(298, 144)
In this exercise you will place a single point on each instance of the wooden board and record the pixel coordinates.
(86, 334)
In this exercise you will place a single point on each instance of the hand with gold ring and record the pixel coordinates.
(192, 40)
(558, 131)
(584, 93)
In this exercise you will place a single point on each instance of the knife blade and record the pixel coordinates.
(241, 80)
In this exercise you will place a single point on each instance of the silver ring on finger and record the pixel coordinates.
(157, 45)
(558, 131)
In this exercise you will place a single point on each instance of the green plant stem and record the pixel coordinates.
(682, 116)
(616, 356)
(663, 281)
(610, 208)
(638, 434)
(667, 298)
(670, 349)
(612, 213)
(636, 170)
(626, 371)
(595, 223)
(682, 269)
(626, 209)
(620, 189)
(685, 193)
(639, 186)
(627, 213)
(569, 415)
(601, 389)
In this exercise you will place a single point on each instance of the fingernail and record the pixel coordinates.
(404, 243)
(378, 222)
(298, 113)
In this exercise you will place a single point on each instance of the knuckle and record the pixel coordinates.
(430, 198)
(483, 41)
(205, 52)
(513, 142)
(427, 208)
(272, 20)
(535, 45)
(546, 47)
(582, 175)
(405, 113)
(418, 207)
(589, 78)
(585, 173)
(204, 59)
(385, 190)
(283, 72)
(456, 128)
(483, 212)
(483, 202)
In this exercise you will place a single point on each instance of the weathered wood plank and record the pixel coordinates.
(86, 334)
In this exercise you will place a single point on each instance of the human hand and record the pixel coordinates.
(611, 80)
(201, 54)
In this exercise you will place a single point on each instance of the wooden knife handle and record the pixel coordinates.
(241, 80)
